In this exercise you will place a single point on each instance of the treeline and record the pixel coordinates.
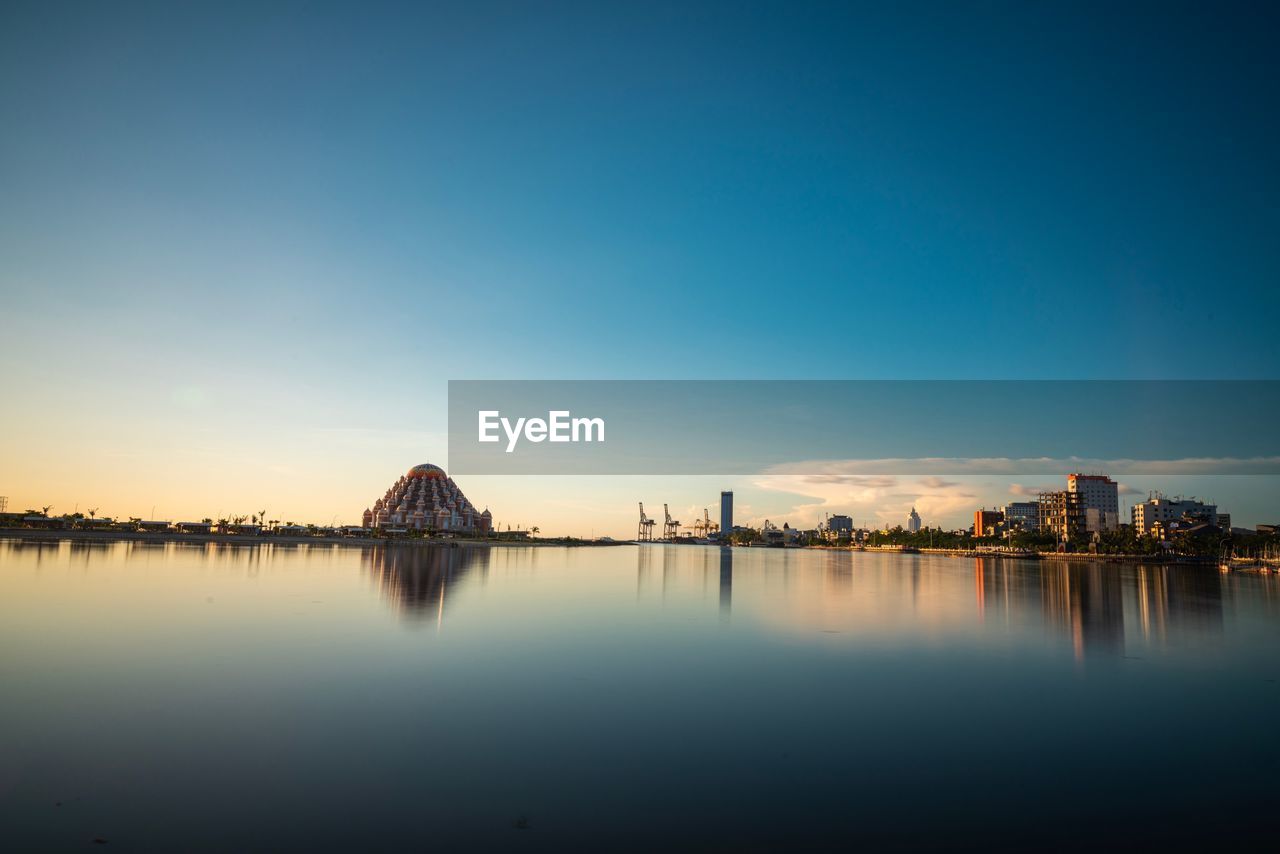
(1203, 543)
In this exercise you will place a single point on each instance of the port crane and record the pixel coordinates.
(704, 527)
(644, 533)
(671, 528)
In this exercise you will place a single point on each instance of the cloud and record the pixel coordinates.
(861, 481)
(1030, 491)
(875, 499)
(1126, 489)
(1060, 466)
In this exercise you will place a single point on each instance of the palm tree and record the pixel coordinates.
(93, 512)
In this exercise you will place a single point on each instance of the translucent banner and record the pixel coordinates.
(863, 427)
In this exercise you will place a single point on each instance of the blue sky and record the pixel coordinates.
(293, 218)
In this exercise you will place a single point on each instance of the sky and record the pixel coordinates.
(244, 246)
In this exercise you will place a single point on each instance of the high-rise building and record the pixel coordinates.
(1100, 501)
(726, 512)
(913, 521)
(1157, 508)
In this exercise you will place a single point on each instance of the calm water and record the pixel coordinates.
(232, 698)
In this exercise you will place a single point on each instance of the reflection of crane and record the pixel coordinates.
(671, 528)
(645, 532)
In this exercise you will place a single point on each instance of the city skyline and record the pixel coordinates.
(570, 505)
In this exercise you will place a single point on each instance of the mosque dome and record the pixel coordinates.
(426, 470)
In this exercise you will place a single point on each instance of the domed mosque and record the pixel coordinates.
(427, 499)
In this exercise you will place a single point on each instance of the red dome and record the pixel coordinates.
(426, 470)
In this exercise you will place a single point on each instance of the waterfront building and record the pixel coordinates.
(840, 524)
(1061, 513)
(913, 521)
(837, 528)
(426, 499)
(1100, 500)
(987, 523)
(1158, 509)
(726, 513)
(1022, 515)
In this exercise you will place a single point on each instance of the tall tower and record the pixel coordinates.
(913, 521)
(726, 513)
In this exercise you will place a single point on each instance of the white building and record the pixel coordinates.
(1157, 508)
(913, 521)
(1022, 515)
(1099, 501)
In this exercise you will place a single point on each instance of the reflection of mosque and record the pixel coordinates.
(1092, 602)
(417, 579)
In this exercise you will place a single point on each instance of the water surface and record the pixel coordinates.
(274, 697)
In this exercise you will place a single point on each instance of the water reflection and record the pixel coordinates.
(417, 580)
(726, 582)
(1093, 603)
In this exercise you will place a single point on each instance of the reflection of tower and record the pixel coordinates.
(726, 582)
(1178, 601)
(980, 585)
(1086, 601)
(644, 560)
(417, 578)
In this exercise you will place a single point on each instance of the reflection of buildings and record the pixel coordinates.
(426, 499)
(1099, 606)
(1085, 601)
(417, 579)
(1178, 600)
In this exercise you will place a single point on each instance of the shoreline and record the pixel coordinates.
(156, 537)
